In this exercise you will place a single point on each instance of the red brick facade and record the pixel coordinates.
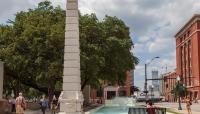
(188, 58)
(168, 85)
(113, 89)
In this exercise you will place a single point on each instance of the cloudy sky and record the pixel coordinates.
(153, 24)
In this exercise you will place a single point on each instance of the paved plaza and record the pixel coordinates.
(174, 106)
(36, 112)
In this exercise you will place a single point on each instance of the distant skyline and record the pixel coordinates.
(153, 24)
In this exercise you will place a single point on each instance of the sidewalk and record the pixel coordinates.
(174, 107)
(36, 112)
(183, 111)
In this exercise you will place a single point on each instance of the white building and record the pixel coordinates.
(155, 83)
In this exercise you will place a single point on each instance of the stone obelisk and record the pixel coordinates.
(71, 98)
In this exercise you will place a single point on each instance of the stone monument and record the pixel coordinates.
(1, 79)
(71, 99)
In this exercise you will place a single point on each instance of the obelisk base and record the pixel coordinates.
(71, 103)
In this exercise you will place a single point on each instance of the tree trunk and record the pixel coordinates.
(84, 83)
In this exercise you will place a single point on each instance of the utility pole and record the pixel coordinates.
(145, 83)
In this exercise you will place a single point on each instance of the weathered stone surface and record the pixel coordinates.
(72, 56)
(71, 100)
(71, 71)
(72, 95)
(75, 79)
(71, 13)
(72, 5)
(72, 108)
(71, 49)
(71, 34)
(71, 86)
(72, 20)
(71, 42)
(71, 27)
(72, 64)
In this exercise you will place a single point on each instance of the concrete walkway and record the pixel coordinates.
(36, 112)
(174, 107)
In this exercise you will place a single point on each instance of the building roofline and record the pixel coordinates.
(194, 18)
(168, 73)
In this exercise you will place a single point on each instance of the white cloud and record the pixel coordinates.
(144, 39)
(160, 44)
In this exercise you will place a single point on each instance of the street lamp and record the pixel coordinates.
(145, 83)
(179, 98)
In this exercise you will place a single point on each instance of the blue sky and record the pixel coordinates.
(153, 24)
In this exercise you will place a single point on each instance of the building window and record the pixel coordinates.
(166, 85)
(184, 36)
(189, 32)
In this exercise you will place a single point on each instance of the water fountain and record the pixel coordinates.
(124, 105)
(121, 101)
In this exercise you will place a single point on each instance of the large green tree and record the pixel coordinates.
(32, 47)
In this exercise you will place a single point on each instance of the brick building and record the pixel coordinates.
(168, 85)
(188, 56)
(109, 91)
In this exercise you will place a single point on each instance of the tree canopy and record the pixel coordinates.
(32, 47)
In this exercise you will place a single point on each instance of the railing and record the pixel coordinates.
(142, 110)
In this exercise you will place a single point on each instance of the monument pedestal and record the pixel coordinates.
(71, 102)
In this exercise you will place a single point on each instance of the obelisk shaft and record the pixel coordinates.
(72, 96)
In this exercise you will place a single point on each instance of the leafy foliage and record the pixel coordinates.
(179, 90)
(33, 48)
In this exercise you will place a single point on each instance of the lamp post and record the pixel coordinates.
(145, 83)
(179, 98)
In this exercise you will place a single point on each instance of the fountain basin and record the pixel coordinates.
(124, 106)
(112, 110)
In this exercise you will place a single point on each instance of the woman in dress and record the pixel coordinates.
(54, 105)
(188, 104)
(20, 104)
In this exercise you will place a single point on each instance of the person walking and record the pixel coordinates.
(44, 104)
(195, 100)
(54, 105)
(151, 109)
(13, 104)
(20, 104)
(188, 104)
